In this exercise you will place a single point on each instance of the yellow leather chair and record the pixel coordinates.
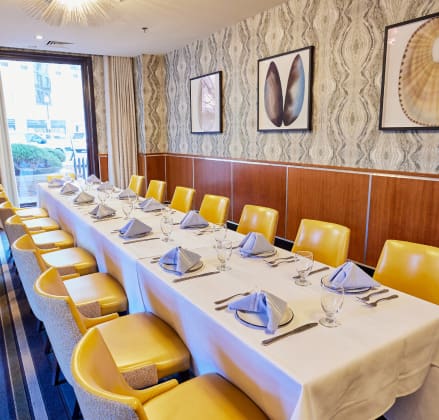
(411, 268)
(182, 199)
(259, 219)
(100, 388)
(215, 208)
(144, 347)
(329, 242)
(54, 239)
(98, 292)
(137, 184)
(71, 175)
(156, 189)
(26, 213)
(67, 261)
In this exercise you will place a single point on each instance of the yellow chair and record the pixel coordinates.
(97, 292)
(215, 208)
(137, 184)
(328, 242)
(100, 388)
(411, 268)
(259, 219)
(26, 213)
(156, 189)
(144, 347)
(182, 199)
(71, 175)
(67, 261)
(54, 239)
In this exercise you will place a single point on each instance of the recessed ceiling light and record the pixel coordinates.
(39, 37)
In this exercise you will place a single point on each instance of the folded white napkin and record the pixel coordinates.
(105, 186)
(83, 198)
(181, 259)
(193, 219)
(265, 303)
(151, 204)
(127, 193)
(93, 179)
(56, 182)
(254, 243)
(69, 188)
(350, 276)
(101, 211)
(134, 229)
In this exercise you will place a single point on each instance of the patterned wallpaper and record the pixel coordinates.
(348, 39)
(99, 97)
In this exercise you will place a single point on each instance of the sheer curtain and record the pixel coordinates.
(121, 119)
(7, 177)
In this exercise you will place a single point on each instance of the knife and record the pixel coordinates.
(295, 331)
(314, 272)
(207, 273)
(139, 240)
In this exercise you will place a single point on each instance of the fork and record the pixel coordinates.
(217, 302)
(367, 298)
(279, 259)
(275, 264)
(375, 303)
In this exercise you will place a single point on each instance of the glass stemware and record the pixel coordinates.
(127, 209)
(331, 303)
(220, 231)
(223, 253)
(166, 225)
(304, 263)
(102, 196)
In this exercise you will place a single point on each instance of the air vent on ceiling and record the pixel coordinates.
(58, 43)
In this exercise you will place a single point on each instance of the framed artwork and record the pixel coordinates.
(206, 103)
(284, 91)
(410, 78)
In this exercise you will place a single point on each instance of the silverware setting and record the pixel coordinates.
(291, 332)
(279, 259)
(219, 301)
(107, 218)
(284, 260)
(375, 303)
(313, 272)
(207, 273)
(139, 240)
(367, 297)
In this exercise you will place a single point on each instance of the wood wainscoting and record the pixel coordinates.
(375, 205)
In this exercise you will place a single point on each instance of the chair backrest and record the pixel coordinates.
(64, 323)
(15, 228)
(6, 211)
(259, 219)
(101, 390)
(29, 265)
(411, 268)
(182, 199)
(60, 176)
(156, 189)
(329, 242)
(137, 184)
(215, 208)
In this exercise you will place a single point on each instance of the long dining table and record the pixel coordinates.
(354, 371)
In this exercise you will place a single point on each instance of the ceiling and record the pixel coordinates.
(171, 25)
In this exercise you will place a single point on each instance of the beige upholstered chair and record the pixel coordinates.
(143, 346)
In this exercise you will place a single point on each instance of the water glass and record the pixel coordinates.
(220, 231)
(223, 253)
(127, 209)
(331, 302)
(166, 225)
(304, 263)
(102, 196)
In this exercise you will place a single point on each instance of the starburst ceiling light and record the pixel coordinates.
(63, 12)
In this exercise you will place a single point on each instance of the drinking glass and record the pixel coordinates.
(102, 196)
(223, 253)
(127, 209)
(304, 263)
(331, 302)
(220, 231)
(166, 225)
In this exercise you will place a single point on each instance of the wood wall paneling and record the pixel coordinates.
(103, 167)
(404, 209)
(335, 197)
(212, 177)
(179, 172)
(262, 185)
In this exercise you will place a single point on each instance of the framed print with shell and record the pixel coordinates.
(410, 79)
(284, 91)
(206, 103)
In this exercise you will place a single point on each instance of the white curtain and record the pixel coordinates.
(7, 177)
(121, 119)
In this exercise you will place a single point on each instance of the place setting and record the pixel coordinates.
(255, 245)
(135, 231)
(103, 212)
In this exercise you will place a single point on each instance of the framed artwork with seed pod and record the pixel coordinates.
(284, 91)
(206, 99)
(410, 77)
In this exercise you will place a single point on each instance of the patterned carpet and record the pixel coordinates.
(26, 371)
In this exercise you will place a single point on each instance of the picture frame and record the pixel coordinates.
(285, 91)
(410, 69)
(206, 103)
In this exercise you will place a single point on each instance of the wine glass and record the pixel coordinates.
(166, 225)
(331, 302)
(304, 263)
(220, 231)
(127, 209)
(223, 253)
(102, 196)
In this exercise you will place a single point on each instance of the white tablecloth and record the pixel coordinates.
(354, 371)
